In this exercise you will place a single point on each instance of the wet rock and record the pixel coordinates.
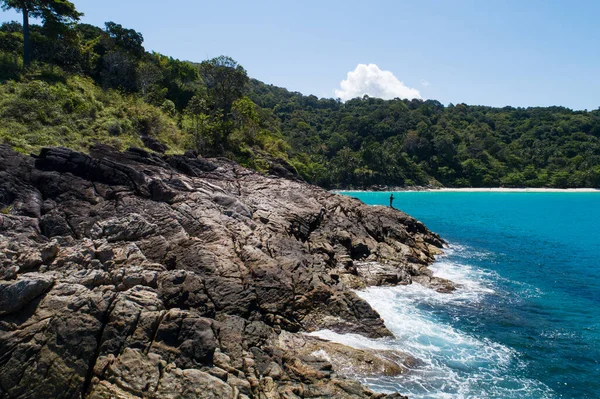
(345, 360)
(441, 285)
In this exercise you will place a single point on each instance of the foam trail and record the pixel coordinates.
(455, 364)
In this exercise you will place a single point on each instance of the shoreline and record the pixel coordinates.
(482, 190)
(517, 190)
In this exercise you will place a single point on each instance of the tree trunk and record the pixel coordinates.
(26, 44)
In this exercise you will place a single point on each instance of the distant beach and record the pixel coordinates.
(517, 190)
(479, 190)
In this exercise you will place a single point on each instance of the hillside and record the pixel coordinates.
(89, 85)
(367, 141)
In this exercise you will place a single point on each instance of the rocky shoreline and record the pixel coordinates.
(133, 275)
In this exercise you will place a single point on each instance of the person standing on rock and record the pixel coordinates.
(391, 200)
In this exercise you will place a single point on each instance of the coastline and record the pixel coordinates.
(212, 269)
(495, 240)
(484, 190)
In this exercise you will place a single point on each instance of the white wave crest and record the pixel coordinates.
(455, 364)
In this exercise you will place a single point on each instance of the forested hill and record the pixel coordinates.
(368, 141)
(83, 85)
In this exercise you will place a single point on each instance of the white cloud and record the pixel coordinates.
(425, 83)
(372, 81)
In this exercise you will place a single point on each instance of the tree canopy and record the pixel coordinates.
(53, 13)
(225, 81)
(368, 141)
(60, 11)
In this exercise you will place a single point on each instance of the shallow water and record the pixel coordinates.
(525, 322)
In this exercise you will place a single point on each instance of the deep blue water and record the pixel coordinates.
(526, 321)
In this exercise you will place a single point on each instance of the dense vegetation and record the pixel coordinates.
(87, 85)
(368, 141)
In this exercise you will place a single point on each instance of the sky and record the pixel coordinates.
(489, 52)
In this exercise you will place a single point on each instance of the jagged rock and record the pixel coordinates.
(441, 285)
(347, 361)
(130, 275)
(15, 295)
(153, 143)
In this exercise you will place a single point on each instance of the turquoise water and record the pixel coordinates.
(525, 322)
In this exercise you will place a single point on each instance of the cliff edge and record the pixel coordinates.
(134, 275)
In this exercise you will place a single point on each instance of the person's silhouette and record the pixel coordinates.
(391, 200)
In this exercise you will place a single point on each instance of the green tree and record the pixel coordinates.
(225, 81)
(147, 77)
(123, 49)
(127, 40)
(52, 12)
(199, 125)
(246, 119)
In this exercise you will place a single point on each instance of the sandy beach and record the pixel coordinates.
(482, 190)
(518, 190)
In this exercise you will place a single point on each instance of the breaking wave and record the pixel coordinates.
(454, 363)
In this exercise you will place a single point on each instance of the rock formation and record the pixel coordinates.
(136, 275)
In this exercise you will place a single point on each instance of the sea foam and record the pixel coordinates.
(454, 363)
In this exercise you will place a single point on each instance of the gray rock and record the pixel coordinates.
(144, 275)
(15, 295)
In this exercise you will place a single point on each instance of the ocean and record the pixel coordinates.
(525, 322)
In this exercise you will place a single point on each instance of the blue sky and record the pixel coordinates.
(489, 52)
